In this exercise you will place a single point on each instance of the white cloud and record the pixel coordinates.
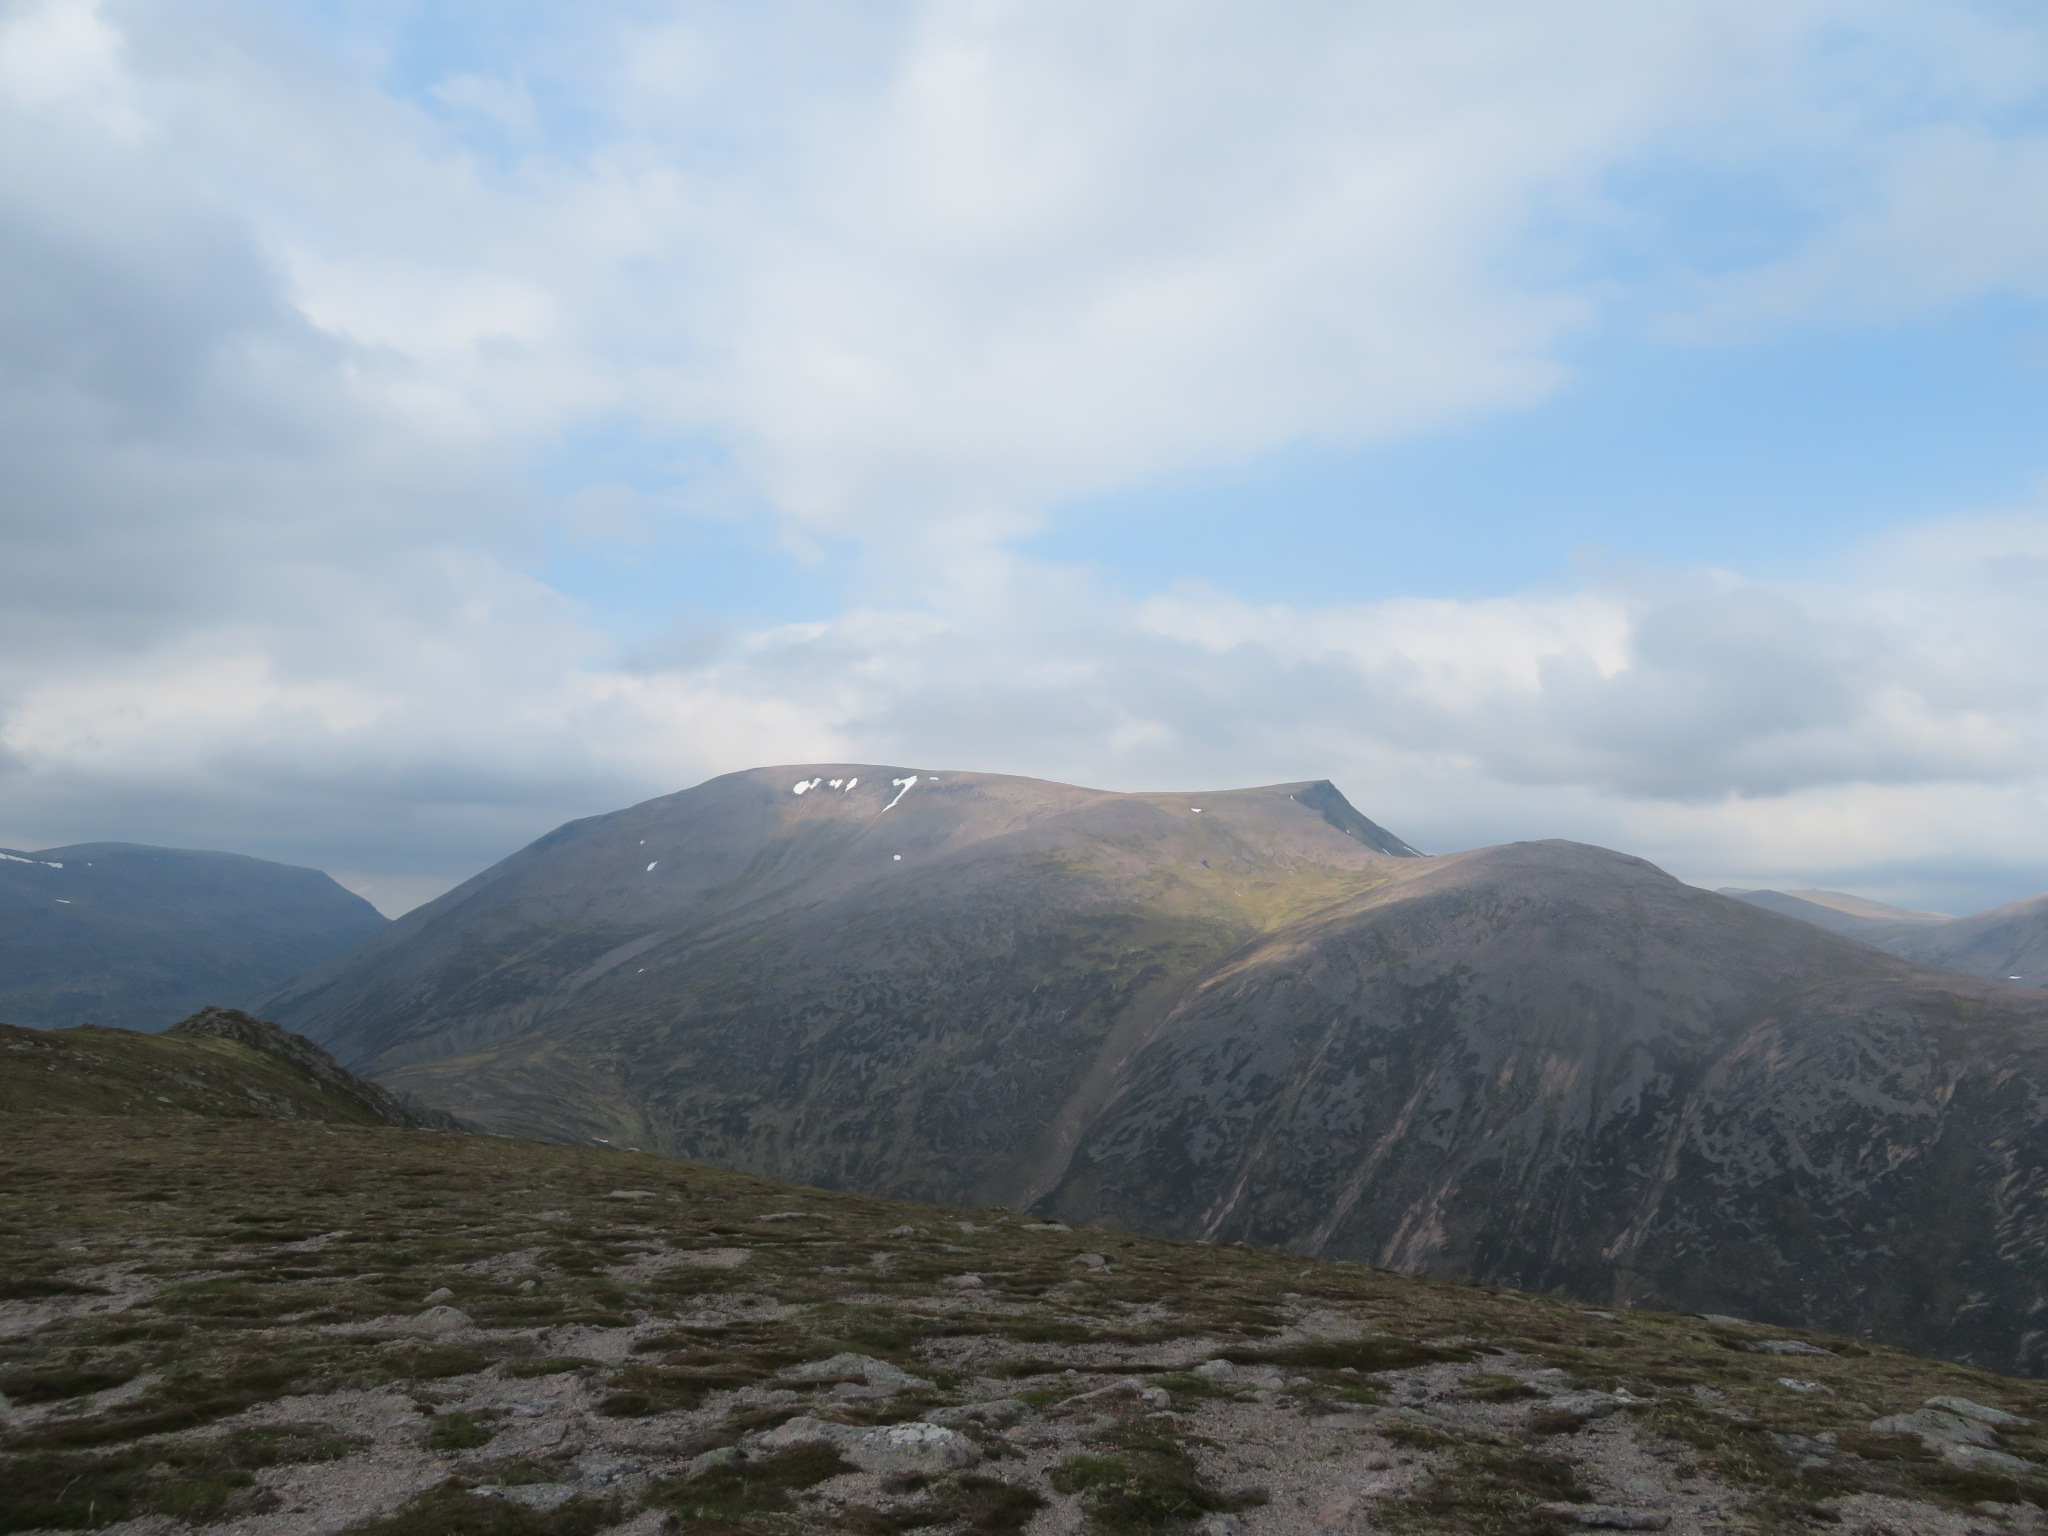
(278, 346)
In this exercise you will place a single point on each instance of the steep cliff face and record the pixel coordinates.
(1551, 1066)
(868, 976)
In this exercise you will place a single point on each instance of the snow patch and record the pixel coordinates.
(902, 788)
(849, 786)
(650, 867)
(897, 857)
(805, 786)
(15, 858)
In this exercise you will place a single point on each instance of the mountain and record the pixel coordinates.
(1244, 1015)
(220, 1063)
(879, 977)
(136, 938)
(2008, 943)
(266, 1326)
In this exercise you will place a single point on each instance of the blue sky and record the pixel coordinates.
(428, 422)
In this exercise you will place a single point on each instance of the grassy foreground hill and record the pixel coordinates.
(268, 1327)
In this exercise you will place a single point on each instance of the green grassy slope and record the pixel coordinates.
(234, 1321)
(219, 1063)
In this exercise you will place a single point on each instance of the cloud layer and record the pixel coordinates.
(304, 346)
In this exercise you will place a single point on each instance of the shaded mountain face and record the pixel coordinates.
(2008, 943)
(137, 938)
(1551, 1066)
(867, 976)
(220, 1063)
(1244, 1015)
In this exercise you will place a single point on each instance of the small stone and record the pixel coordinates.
(918, 1446)
(538, 1496)
(1607, 1517)
(880, 1376)
(526, 1287)
(1936, 1427)
(1337, 1511)
(1215, 1370)
(1093, 1261)
(1794, 1384)
(905, 1232)
(997, 1413)
(966, 1282)
(442, 1320)
(1596, 1312)
(1997, 1418)
(1723, 1320)
(1047, 1226)
(443, 1294)
(1786, 1347)
(711, 1461)
(1975, 1458)
(1218, 1525)
(630, 1194)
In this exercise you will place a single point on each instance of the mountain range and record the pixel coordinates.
(2008, 943)
(1243, 1015)
(137, 938)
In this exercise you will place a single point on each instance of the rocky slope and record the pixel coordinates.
(138, 938)
(268, 1328)
(220, 1063)
(1247, 1015)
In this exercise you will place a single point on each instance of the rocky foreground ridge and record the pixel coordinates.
(283, 1328)
(1245, 1015)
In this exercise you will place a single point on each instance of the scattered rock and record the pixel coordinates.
(1975, 1458)
(1046, 1226)
(998, 1413)
(1936, 1428)
(539, 1496)
(906, 1232)
(966, 1282)
(879, 1375)
(443, 1294)
(438, 1320)
(1723, 1320)
(630, 1194)
(1786, 1347)
(916, 1447)
(1093, 1261)
(710, 1461)
(794, 1216)
(1997, 1418)
(1595, 1405)
(1608, 1517)
(1794, 1384)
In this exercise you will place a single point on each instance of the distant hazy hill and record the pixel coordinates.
(220, 1064)
(1247, 1014)
(137, 938)
(2008, 943)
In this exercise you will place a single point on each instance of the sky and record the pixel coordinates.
(424, 422)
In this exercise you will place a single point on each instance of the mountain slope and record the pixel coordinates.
(136, 938)
(878, 977)
(219, 1063)
(1551, 1066)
